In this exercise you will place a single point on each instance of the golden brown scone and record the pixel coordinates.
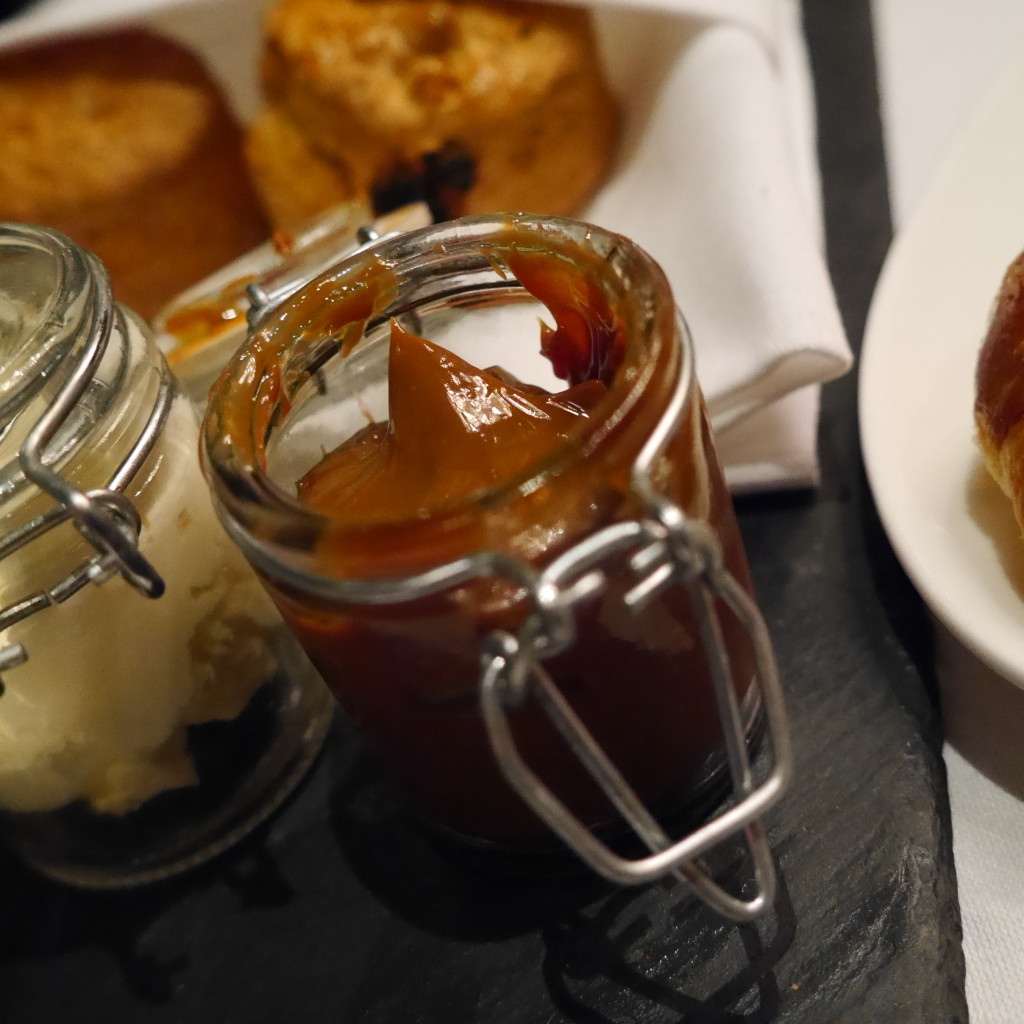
(124, 142)
(375, 85)
(999, 390)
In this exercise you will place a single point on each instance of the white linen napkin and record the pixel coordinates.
(716, 178)
(718, 182)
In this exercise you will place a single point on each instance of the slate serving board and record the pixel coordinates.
(351, 915)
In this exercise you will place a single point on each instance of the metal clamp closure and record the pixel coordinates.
(669, 549)
(326, 243)
(103, 516)
(513, 671)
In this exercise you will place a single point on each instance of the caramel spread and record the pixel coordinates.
(452, 431)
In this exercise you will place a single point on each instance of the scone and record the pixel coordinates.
(385, 91)
(999, 389)
(124, 142)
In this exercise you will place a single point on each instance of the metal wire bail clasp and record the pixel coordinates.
(513, 670)
(665, 548)
(104, 516)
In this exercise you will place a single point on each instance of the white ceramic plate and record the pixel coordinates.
(950, 525)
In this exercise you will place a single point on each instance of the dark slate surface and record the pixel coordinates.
(342, 911)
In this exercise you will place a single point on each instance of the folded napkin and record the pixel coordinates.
(716, 179)
(718, 182)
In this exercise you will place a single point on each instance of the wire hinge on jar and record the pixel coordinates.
(513, 671)
(104, 516)
(665, 548)
(329, 240)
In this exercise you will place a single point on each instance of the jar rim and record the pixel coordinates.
(63, 273)
(252, 395)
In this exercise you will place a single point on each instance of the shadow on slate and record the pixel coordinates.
(600, 947)
(872, 879)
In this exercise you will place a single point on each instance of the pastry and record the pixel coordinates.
(496, 107)
(999, 390)
(124, 142)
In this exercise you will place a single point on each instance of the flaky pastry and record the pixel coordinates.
(999, 389)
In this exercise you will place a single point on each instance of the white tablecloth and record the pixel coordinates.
(937, 59)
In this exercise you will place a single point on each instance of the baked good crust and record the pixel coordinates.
(293, 179)
(999, 389)
(124, 142)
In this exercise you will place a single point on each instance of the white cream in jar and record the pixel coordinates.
(99, 710)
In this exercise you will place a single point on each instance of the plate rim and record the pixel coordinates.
(950, 175)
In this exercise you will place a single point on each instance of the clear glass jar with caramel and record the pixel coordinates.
(508, 548)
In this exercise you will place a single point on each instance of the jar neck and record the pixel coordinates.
(587, 271)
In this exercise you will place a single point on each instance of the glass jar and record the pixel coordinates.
(138, 737)
(576, 643)
(201, 328)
